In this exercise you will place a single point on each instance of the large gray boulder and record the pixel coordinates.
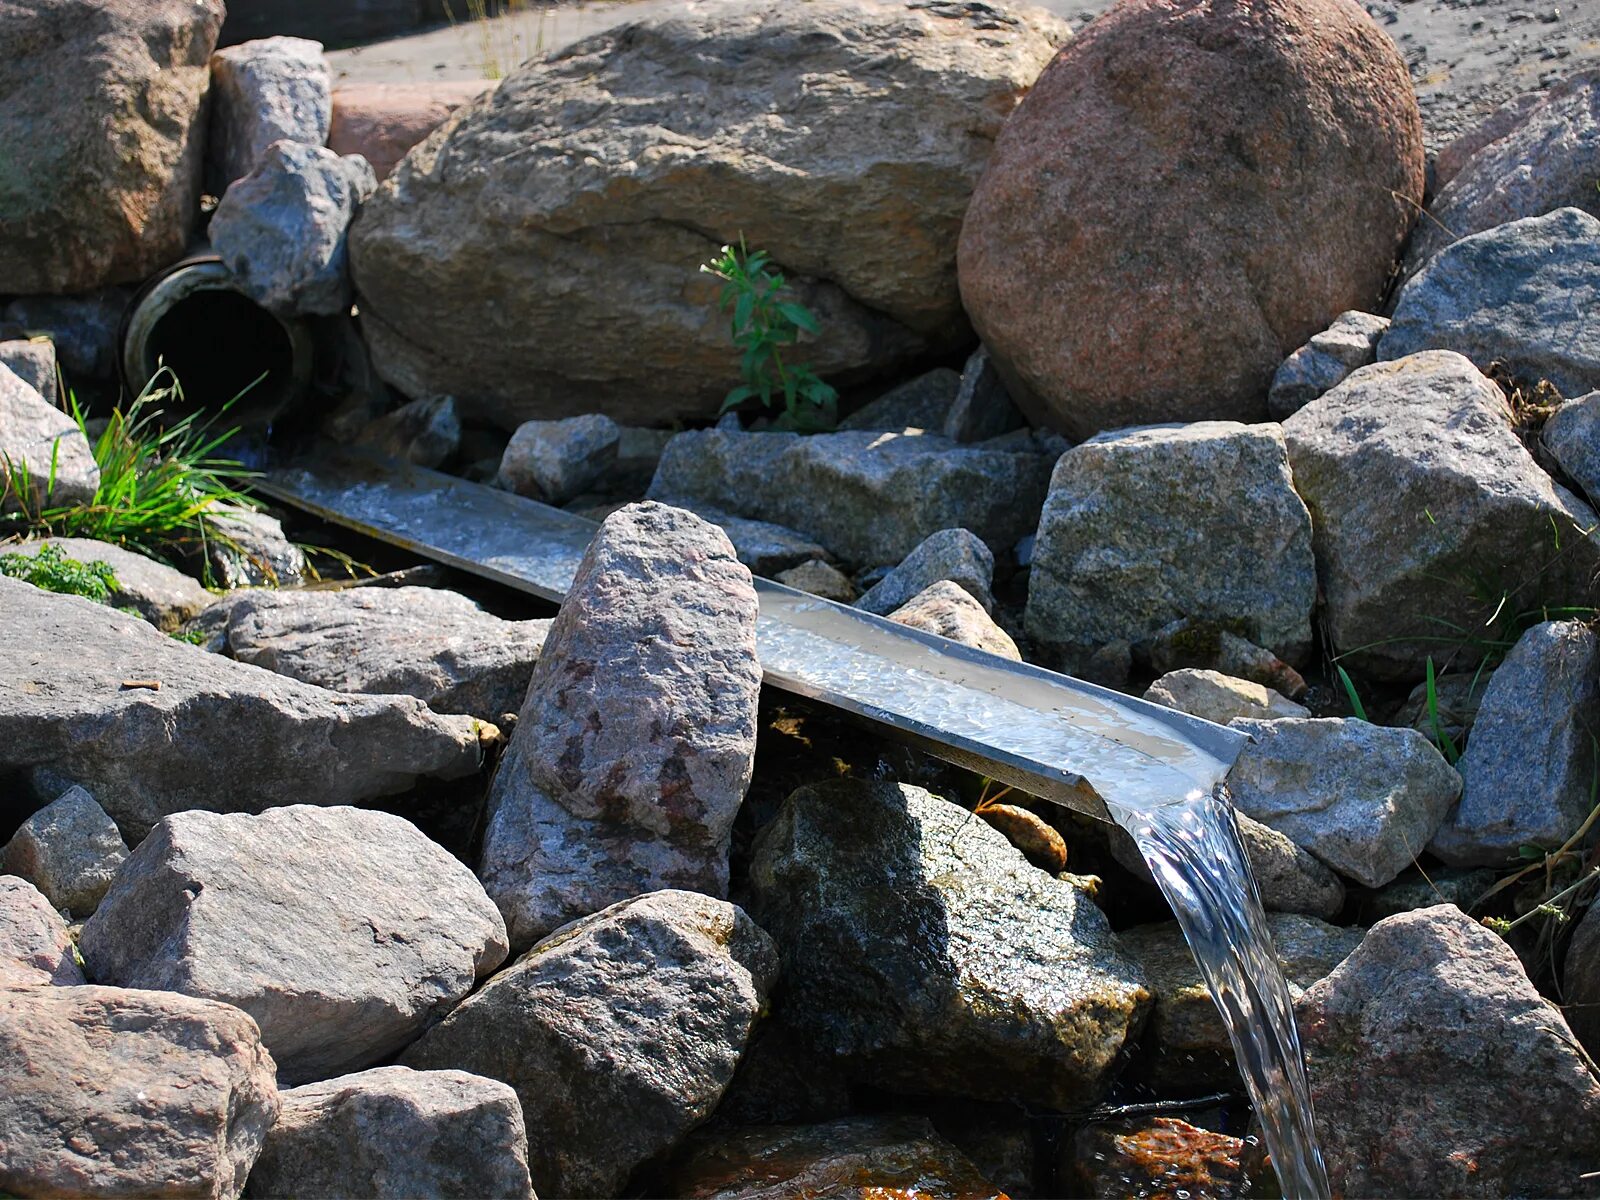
(1186, 1044)
(1525, 294)
(1428, 513)
(956, 555)
(344, 933)
(395, 1132)
(113, 1093)
(264, 91)
(637, 739)
(1324, 362)
(160, 594)
(152, 726)
(631, 156)
(927, 955)
(869, 497)
(282, 229)
(619, 1033)
(99, 107)
(35, 944)
(1528, 772)
(70, 850)
(1436, 1067)
(429, 643)
(1572, 438)
(1363, 798)
(45, 460)
(1542, 159)
(1148, 526)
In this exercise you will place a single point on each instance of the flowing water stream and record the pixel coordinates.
(1192, 847)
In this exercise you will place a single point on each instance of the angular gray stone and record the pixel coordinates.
(70, 850)
(1363, 798)
(1437, 1069)
(619, 1033)
(1529, 767)
(1525, 294)
(1147, 526)
(35, 946)
(869, 497)
(345, 933)
(102, 137)
(45, 461)
(920, 403)
(113, 1093)
(949, 610)
(392, 1131)
(954, 554)
(982, 407)
(1186, 1044)
(282, 229)
(1542, 159)
(1427, 512)
(926, 954)
(587, 164)
(762, 546)
(555, 461)
(429, 643)
(250, 550)
(425, 432)
(1220, 698)
(1572, 436)
(214, 735)
(1324, 362)
(269, 90)
(33, 360)
(637, 739)
(820, 579)
(161, 595)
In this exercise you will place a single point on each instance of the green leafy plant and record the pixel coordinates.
(53, 571)
(764, 324)
(162, 481)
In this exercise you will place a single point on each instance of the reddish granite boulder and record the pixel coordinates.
(381, 121)
(1192, 189)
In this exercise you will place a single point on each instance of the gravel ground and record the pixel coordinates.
(1466, 56)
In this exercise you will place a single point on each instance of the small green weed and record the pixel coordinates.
(763, 325)
(1441, 739)
(1356, 707)
(55, 572)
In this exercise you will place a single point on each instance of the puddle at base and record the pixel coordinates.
(1192, 848)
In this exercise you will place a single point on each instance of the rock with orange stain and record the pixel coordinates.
(1030, 833)
(1155, 1158)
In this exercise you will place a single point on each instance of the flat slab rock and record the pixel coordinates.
(344, 933)
(114, 1093)
(870, 498)
(637, 739)
(429, 643)
(619, 1032)
(215, 734)
(1437, 1069)
(392, 1131)
(926, 954)
(35, 944)
(162, 595)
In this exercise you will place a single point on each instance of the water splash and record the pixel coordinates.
(1192, 847)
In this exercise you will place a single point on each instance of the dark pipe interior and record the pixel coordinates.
(217, 342)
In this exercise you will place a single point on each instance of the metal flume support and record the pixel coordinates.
(1047, 734)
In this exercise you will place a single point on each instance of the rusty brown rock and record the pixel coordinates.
(1032, 834)
(382, 121)
(35, 944)
(1192, 189)
(1155, 1158)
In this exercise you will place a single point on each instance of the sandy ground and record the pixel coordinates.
(1466, 56)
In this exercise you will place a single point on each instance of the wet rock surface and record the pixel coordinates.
(70, 850)
(392, 1131)
(344, 933)
(118, 1093)
(1426, 1049)
(35, 945)
(429, 643)
(1426, 510)
(1529, 767)
(869, 497)
(1156, 1157)
(1363, 798)
(637, 737)
(916, 941)
(619, 1033)
(1143, 527)
(151, 726)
